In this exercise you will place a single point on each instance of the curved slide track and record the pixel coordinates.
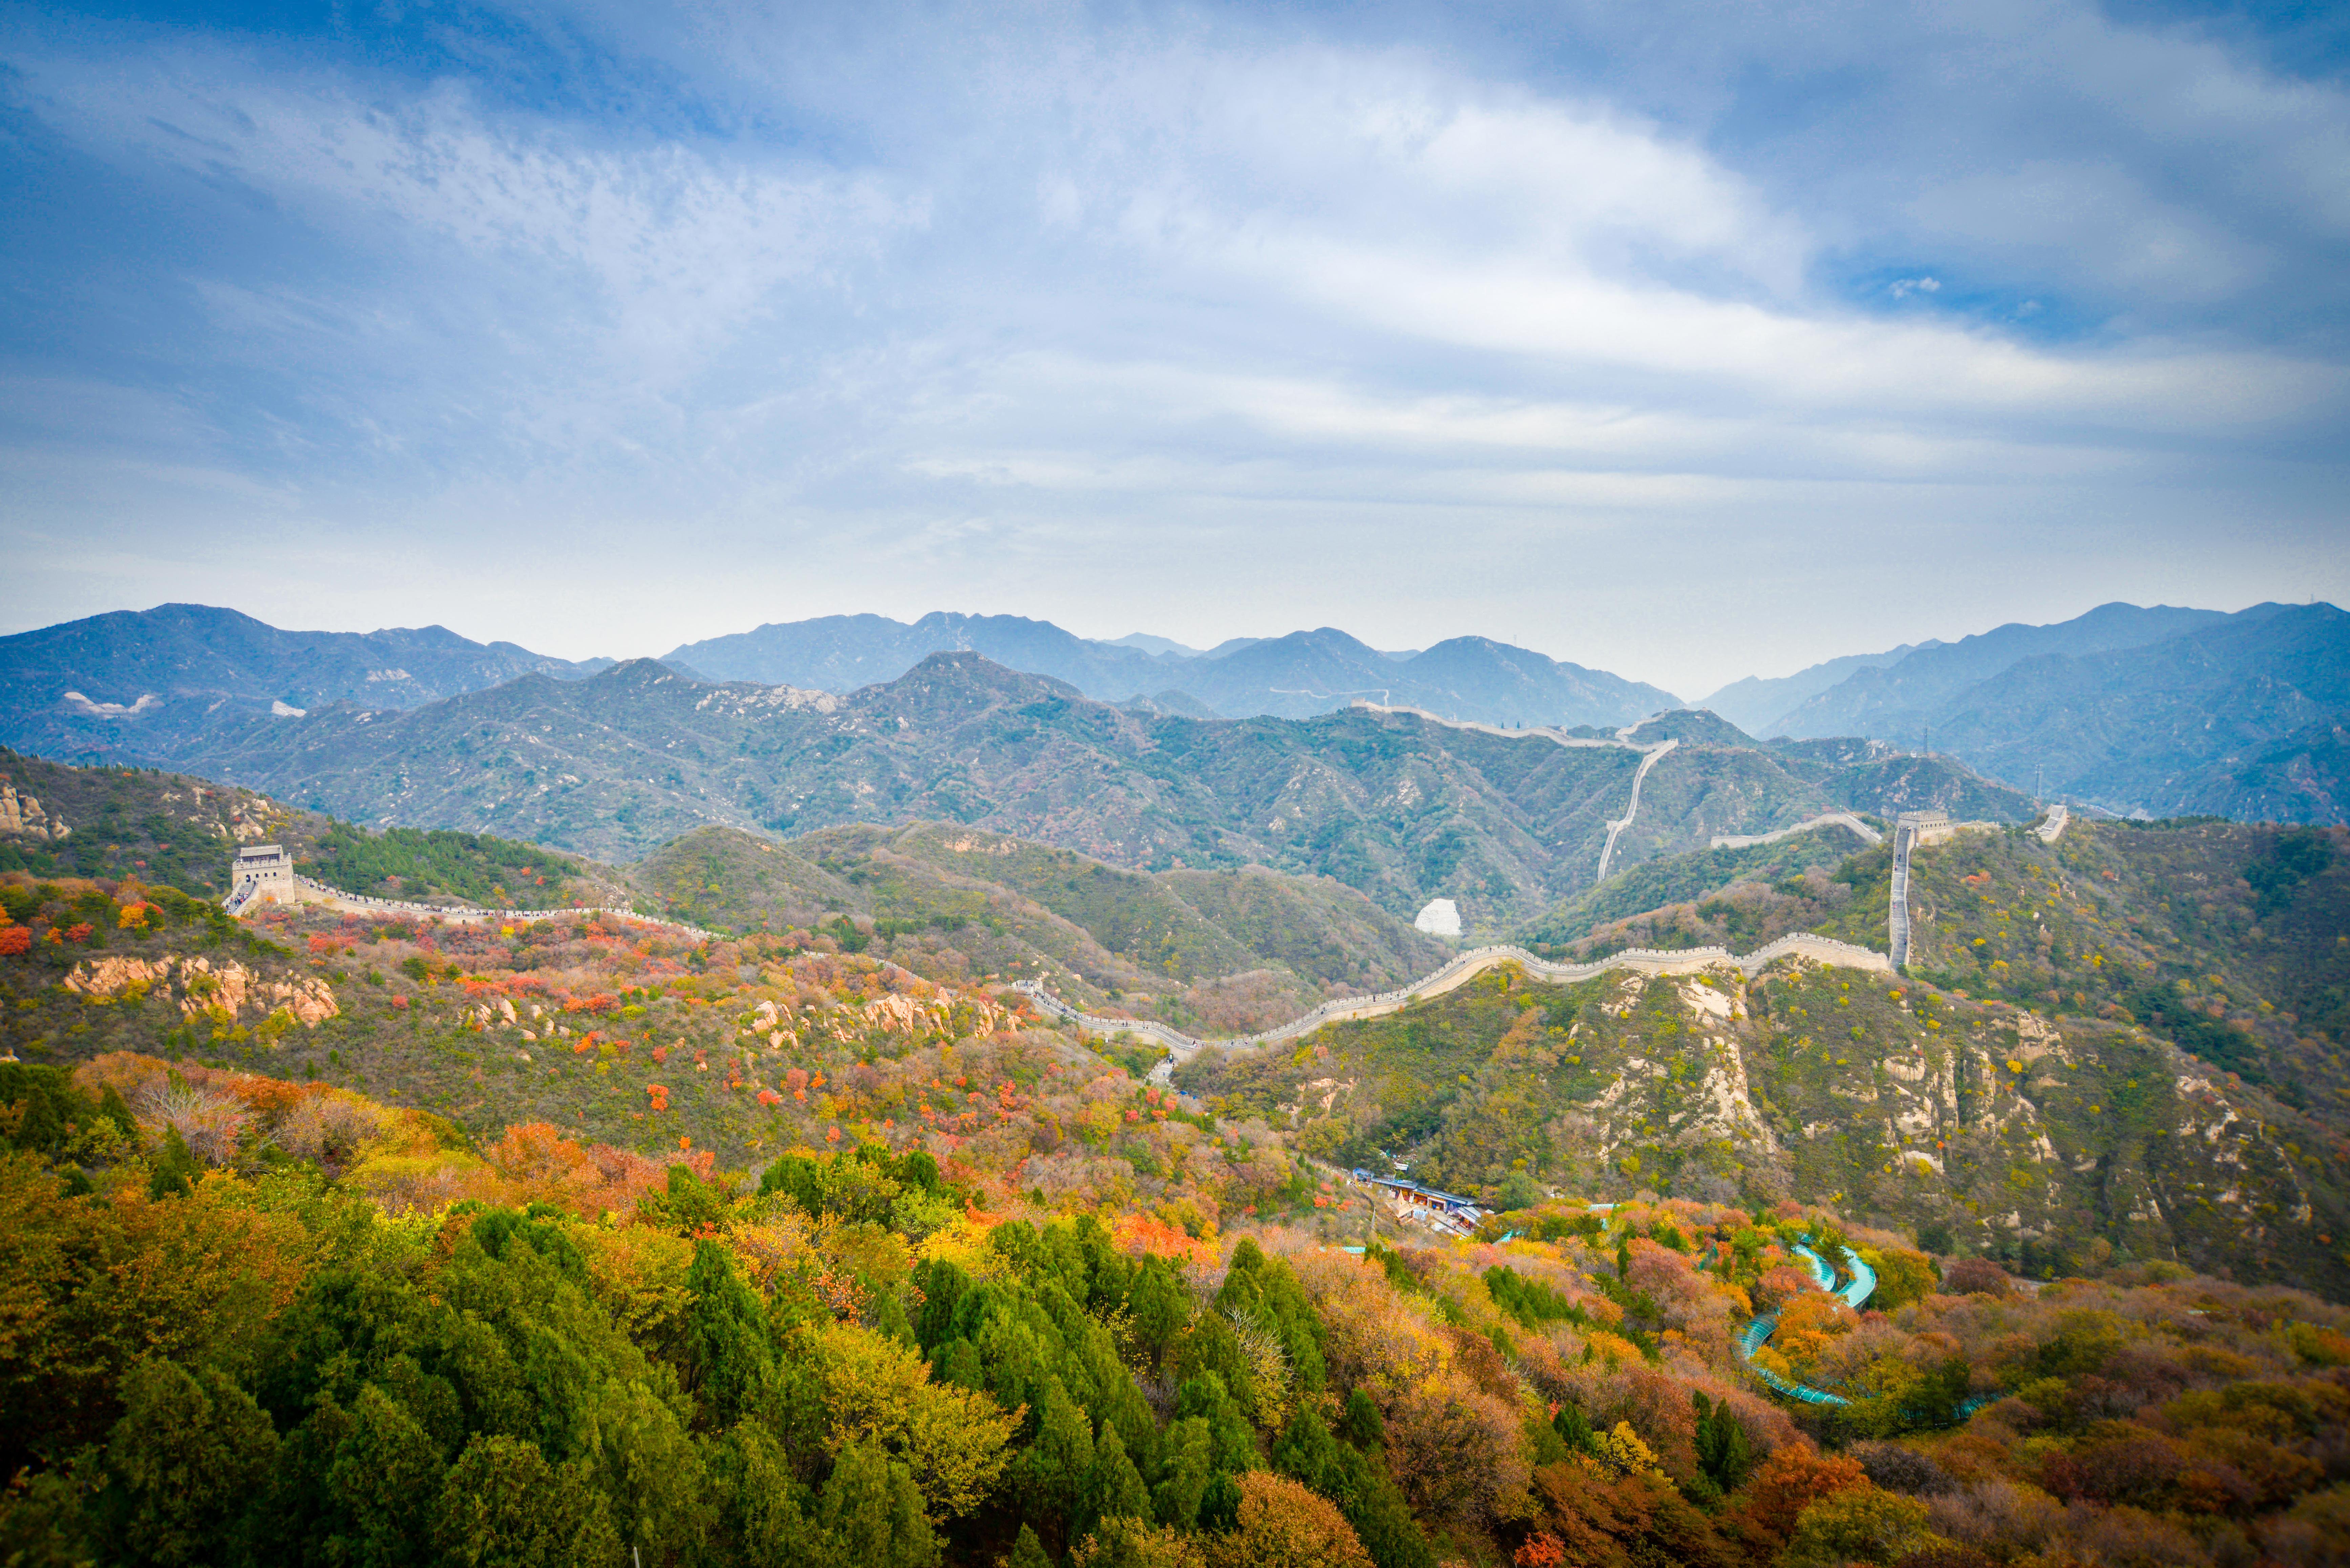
(1758, 1332)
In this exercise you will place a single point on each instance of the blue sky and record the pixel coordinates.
(1690, 342)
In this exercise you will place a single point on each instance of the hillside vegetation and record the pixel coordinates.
(2054, 1145)
(233, 1342)
(1399, 807)
(1232, 950)
(162, 828)
(341, 1238)
(170, 830)
(2228, 937)
(1656, 903)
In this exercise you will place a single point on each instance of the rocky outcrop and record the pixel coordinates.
(205, 990)
(24, 816)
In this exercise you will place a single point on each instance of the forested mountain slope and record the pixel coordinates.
(142, 686)
(2055, 1144)
(2225, 938)
(332, 1238)
(170, 830)
(1397, 806)
(1227, 952)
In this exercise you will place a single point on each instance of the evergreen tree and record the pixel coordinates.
(1158, 1307)
(1027, 1552)
(1575, 1430)
(726, 1333)
(943, 1285)
(1383, 1519)
(1113, 1486)
(504, 1506)
(1723, 1449)
(1362, 1424)
(957, 1361)
(889, 1321)
(872, 1515)
(1358, 1484)
(1232, 1442)
(187, 1456)
(1220, 1503)
(1183, 1473)
(1210, 1346)
(763, 1518)
(387, 1477)
(1308, 1452)
(175, 1168)
(1054, 1469)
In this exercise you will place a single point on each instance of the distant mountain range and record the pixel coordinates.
(1129, 751)
(1400, 806)
(66, 690)
(1292, 677)
(1879, 699)
(1758, 705)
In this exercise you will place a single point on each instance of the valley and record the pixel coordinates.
(2093, 1136)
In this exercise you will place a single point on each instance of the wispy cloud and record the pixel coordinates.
(1167, 298)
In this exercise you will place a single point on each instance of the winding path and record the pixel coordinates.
(1868, 834)
(1459, 972)
(1648, 758)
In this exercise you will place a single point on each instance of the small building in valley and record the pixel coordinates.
(1448, 1214)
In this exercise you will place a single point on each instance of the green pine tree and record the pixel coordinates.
(175, 1168)
(1056, 1466)
(1113, 1486)
(188, 1453)
(1361, 1425)
(1183, 1472)
(504, 1506)
(726, 1333)
(1028, 1551)
(871, 1514)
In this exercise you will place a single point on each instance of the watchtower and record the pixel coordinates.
(261, 870)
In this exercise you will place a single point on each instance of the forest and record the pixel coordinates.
(221, 1349)
(337, 1240)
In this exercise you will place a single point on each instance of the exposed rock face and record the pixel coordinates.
(231, 988)
(2056, 1142)
(22, 815)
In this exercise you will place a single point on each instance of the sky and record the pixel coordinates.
(1689, 341)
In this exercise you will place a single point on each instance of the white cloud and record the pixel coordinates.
(1022, 311)
(656, 255)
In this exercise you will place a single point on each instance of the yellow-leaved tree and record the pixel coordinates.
(953, 1440)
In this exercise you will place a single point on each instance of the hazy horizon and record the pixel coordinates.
(1689, 695)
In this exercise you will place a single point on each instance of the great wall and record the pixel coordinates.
(264, 873)
(1465, 968)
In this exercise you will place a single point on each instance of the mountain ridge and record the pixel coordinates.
(1293, 676)
(1401, 807)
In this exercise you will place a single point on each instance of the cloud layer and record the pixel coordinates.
(1659, 345)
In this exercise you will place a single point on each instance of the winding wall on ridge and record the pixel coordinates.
(1467, 967)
